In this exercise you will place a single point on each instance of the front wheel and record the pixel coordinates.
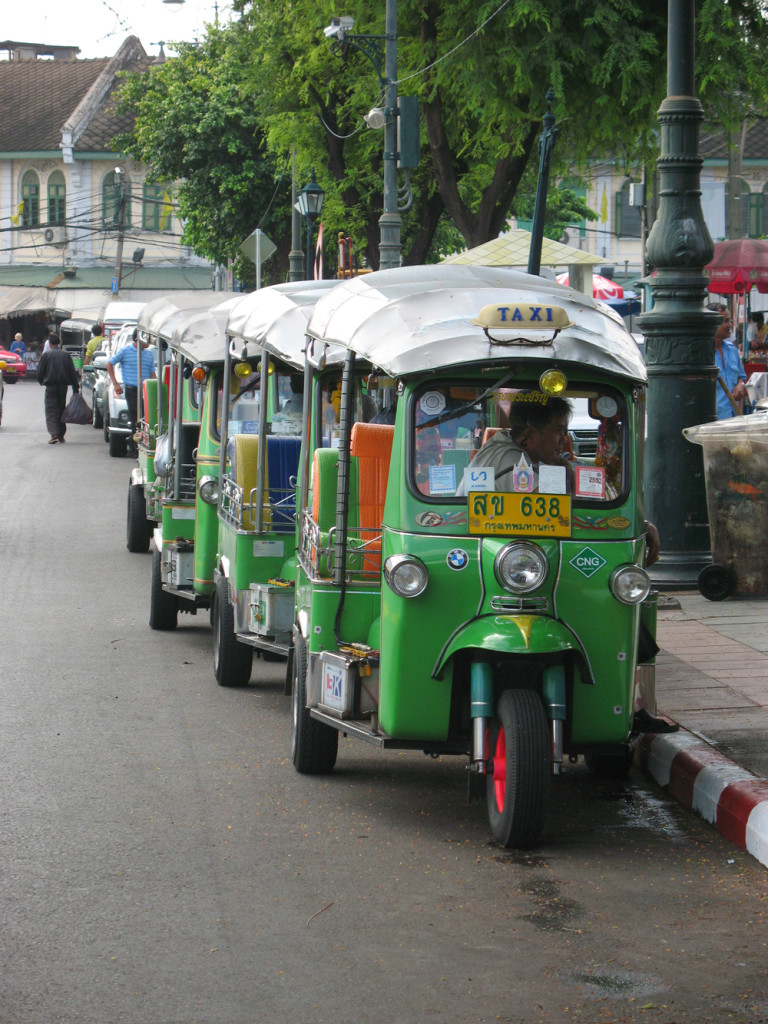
(314, 746)
(163, 607)
(516, 787)
(98, 419)
(232, 661)
(138, 527)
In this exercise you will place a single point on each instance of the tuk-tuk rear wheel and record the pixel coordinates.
(314, 746)
(232, 661)
(517, 785)
(138, 528)
(163, 607)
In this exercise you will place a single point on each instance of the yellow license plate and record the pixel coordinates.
(536, 515)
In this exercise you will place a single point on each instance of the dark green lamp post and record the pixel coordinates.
(679, 331)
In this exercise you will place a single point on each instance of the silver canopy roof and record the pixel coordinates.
(158, 317)
(199, 335)
(275, 318)
(414, 319)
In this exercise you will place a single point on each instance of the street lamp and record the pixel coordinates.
(309, 203)
(381, 51)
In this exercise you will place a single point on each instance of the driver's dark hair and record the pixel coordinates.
(535, 409)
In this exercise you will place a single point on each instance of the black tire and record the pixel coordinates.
(314, 745)
(105, 427)
(98, 419)
(610, 766)
(716, 582)
(163, 607)
(138, 528)
(517, 786)
(232, 661)
(116, 445)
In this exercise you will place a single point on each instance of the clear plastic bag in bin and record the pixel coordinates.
(736, 478)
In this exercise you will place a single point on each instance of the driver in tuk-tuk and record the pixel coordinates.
(537, 434)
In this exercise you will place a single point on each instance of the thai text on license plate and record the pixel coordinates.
(536, 515)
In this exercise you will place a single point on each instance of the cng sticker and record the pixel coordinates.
(587, 562)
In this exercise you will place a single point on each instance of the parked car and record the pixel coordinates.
(15, 368)
(1, 394)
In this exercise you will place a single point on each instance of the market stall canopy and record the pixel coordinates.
(602, 287)
(738, 266)
(512, 250)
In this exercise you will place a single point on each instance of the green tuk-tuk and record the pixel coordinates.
(465, 585)
(185, 463)
(157, 323)
(255, 566)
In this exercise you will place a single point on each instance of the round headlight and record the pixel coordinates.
(208, 489)
(521, 567)
(630, 584)
(405, 575)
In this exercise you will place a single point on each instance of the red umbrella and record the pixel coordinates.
(739, 266)
(602, 287)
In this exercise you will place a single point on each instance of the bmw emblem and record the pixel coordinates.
(457, 559)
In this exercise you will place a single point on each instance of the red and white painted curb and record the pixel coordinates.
(702, 779)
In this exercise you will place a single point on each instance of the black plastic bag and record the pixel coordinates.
(77, 411)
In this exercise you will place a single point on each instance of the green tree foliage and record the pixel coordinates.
(195, 126)
(480, 68)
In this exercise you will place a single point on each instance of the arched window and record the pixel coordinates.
(116, 192)
(57, 198)
(30, 195)
(157, 209)
(628, 223)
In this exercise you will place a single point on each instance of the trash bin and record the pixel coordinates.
(736, 479)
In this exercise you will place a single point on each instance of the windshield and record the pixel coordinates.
(467, 438)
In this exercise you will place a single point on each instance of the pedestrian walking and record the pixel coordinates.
(56, 372)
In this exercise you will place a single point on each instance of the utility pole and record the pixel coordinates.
(121, 204)
(390, 220)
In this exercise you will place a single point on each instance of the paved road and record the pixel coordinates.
(162, 862)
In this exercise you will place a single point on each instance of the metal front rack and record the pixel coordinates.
(317, 551)
(238, 510)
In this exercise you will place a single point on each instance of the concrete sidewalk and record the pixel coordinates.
(712, 678)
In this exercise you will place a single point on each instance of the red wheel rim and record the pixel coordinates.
(500, 769)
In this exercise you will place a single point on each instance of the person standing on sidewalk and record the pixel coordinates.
(731, 371)
(56, 372)
(128, 359)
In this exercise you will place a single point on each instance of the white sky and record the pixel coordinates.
(99, 27)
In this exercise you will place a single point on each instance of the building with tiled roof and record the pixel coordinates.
(79, 224)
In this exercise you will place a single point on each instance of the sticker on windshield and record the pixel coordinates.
(442, 479)
(590, 482)
(522, 477)
(479, 478)
(432, 403)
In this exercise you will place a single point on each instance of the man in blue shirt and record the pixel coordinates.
(731, 371)
(127, 358)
